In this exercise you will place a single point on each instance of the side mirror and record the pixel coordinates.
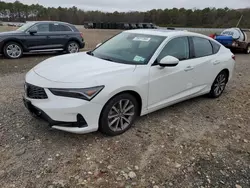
(169, 61)
(98, 45)
(32, 31)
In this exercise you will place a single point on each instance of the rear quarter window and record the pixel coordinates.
(216, 47)
(202, 47)
(60, 27)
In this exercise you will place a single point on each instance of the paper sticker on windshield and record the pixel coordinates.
(138, 59)
(143, 39)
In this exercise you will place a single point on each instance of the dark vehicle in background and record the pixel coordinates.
(139, 25)
(41, 36)
(126, 26)
(122, 26)
(89, 25)
(132, 26)
(119, 25)
(153, 26)
(147, 26)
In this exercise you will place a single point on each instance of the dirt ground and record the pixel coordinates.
(200, 143)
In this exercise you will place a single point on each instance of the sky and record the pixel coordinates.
(138, 5)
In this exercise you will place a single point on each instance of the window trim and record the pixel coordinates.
(194, 56)
(156, 61)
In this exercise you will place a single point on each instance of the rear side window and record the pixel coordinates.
(202, 47)
(59, 27)
(216, 47)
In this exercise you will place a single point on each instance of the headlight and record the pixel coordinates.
(86, 93)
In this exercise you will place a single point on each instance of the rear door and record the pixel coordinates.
(204, 61)
(59, 35)
(39, 40)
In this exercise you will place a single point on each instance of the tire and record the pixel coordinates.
(13, 50)
(219, 85)
(114, 120)
(247, 50)
(72, 47)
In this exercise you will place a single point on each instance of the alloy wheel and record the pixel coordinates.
(121, 115)
(13, 51)
(220, 84)
(73, 48)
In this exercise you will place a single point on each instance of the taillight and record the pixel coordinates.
(233, 57)
(81, 34)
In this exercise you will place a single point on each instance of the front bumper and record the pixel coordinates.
(66, 114)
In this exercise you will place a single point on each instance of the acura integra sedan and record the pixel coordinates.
(132, 74)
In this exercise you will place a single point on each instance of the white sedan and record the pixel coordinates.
(132, 74)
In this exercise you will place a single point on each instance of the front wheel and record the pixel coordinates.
(118, 115)
(13, 50)
(219, 85)
(72, 47)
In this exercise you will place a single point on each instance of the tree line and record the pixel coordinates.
(208, 17)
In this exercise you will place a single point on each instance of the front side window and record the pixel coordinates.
(25, 26)
(177, 47)
(129, 48)
(202, 47)
(41, 28)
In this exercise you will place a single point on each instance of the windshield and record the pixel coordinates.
(25, 26)
(129, 48)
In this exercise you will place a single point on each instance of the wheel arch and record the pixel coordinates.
(73, 40)
(131, 92)
(227, 72)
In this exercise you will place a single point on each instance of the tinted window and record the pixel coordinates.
(202, 47)
(59, 27)
(41, 28)
(216, 47)
(178, 47)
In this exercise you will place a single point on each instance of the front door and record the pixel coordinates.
(170, 84)
(38, 40)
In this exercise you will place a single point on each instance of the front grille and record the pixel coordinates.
(35, 92)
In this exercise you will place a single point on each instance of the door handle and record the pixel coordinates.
(189, 68)
(216, 62)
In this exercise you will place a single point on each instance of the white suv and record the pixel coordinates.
(132, 74)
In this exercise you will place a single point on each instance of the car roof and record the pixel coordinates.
(165, 32)
(49, 22)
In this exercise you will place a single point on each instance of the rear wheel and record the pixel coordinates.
(72, 47)
(13, 50)
(118, 115)
(219, 85)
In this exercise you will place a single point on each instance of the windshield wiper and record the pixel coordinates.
(107, 59)
(90, 53)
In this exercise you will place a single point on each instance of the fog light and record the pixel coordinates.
(81, 121)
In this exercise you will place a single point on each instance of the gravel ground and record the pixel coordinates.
(198, 143)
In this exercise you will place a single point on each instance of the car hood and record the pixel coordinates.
(80, 67)
(10, 33)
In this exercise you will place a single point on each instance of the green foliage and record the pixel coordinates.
(208, 17)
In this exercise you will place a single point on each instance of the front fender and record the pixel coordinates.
(13, 39)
